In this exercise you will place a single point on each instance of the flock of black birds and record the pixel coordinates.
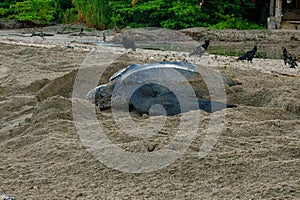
(288, 58)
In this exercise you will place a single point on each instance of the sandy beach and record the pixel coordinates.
(42, 156)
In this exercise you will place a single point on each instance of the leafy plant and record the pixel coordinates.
(218, 10)
(184, 15)
(34, 10)
(4, 7)
(165, 13)
(231, 22)
(145, 13)
(93, 12)
(3, 11)
(70, 15)
(174, 14)
(116, 19)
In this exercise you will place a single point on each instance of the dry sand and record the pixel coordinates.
(257, 155)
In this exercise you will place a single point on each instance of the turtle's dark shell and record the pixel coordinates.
(149, 95)
(167, 88)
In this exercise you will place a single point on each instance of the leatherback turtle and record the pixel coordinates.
(163, 85)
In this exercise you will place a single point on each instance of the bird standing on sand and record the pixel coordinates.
(289, 58)
(199, 51)
(127, 43)
(81, 31)
(104, 37)
(249, 55)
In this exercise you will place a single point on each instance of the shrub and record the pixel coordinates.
(183, 14)
(93, 12)
(70, 15)
(34, 10)
(231, 22)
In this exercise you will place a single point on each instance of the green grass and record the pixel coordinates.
(219, 50)
(231, 51)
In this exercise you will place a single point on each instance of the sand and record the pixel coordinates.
(42, 156)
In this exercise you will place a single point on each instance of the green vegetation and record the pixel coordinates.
(232, 51)
(220, 50)
(93, 12)
(34, 10)
(103, 14)
(40, 11)
(231, 22)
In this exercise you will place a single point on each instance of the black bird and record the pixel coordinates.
(289, 58)
(104, 37)
(41, 34)
(249, 55)
(199, 51)
(81, 31)
(127, 43)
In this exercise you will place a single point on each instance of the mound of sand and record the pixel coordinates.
(257, 154)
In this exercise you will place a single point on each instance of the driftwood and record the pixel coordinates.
(284, 74)
(19, 35)
(64, 32)
(40, 34)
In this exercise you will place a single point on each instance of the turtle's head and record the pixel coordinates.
(101, 96)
